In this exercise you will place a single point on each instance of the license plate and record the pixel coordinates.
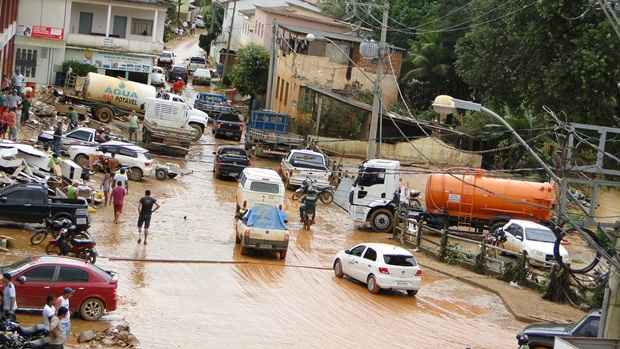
(264, 246)
(402, 283)
(234, 174)
(81, 221)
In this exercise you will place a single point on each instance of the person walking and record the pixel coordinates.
(74, 118)
(57, 336)
(3, 115)
(118, 197)
(133, 127)
(9, 298)
(57, 138)
(26, 104)
(146, 207)
(10, 119)
(106, 186)
(122, 178)
(49, 310)
(112, 163)
(63, 302)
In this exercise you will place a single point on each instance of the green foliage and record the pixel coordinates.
(516, 272)
(213, 17)
(78, 68)
(250, 74)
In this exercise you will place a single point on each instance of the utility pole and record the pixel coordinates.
(378, 96)
(232, 24)
(272, 64)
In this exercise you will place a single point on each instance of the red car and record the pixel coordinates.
(36, 277)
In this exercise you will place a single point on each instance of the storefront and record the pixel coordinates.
(39, 53)
(134, 67)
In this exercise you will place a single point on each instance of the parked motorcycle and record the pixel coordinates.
(53, 228)
(325, 194)
(67, 245)
(27, 332)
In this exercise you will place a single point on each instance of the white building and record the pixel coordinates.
(121, 38)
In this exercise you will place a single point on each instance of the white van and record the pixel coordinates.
(259, 185)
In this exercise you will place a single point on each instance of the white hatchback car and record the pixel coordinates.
(534, 239)
(158, 76)
(137, 159)
(380, 266)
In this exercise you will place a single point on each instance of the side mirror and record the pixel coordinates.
(347, 251)
(21, 279)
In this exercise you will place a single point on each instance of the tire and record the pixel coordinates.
(92, 309)
(412, 293)
(104, 114)
(59, 216)
(38, 237)
(52, 249)
(382, 220)
(244, 251)
(81, 160)
(338, 269)
(135, 174)
(326, 197)
(371, 284)
(161, 174)
(199, 131)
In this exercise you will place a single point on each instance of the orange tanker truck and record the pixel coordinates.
(472, 198)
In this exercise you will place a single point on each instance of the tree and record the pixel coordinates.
(213, 15)
(249, 76)
(561, 54)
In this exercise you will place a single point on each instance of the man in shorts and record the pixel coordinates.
(118, 197)
(146, 207)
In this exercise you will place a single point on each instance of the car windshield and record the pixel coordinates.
(234, 153)
(198, 60)
(178, 69)
(229, 117)
(166, 54)
(308, 160)
(543, 235)
(16, 265)
(147, 155)
(400, 260)
(264, 187)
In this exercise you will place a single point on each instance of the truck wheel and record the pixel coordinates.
(198, 131)
(81, 160)
(382, 220)
(104, 114)
(135, 174)
(326, 197)
(161, 174)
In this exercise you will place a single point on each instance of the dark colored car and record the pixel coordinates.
(228, 125)
(37, 277)
(32, 203)
(543, 335)
(177, 71)
(230, 161)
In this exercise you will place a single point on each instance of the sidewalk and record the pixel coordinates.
(524, 304)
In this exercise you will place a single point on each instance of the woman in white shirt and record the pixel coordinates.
(49, 310)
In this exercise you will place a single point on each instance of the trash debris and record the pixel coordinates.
(115, 336)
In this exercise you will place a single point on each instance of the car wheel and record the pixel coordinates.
(135, 174)
(92, 309)
(161, 174)
(326, 197)
(82, 160)
(412, 293)
(371, 284)
(382, 220)
(338, 269)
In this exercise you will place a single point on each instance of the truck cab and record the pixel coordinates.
(370, 198)
(198, 119)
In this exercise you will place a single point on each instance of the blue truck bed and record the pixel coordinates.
(267, 133)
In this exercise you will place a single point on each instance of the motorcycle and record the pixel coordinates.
(27, 332)
(53, 228)
(326, 194)
(308, 209)
(67, 245)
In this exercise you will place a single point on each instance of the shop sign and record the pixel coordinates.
(40, 32)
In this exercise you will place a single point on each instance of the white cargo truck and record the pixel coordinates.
(166, 127)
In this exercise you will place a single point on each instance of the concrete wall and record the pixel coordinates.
(435, 149)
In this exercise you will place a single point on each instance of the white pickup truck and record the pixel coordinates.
(298, 165)
(78, 136)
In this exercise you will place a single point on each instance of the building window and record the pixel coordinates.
(119, 28)
(286, 95)
(277, 87)
(141, 27)
(86, 23)
(281, 89)
(26, 62)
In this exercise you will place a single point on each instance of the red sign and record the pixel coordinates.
(50, 33)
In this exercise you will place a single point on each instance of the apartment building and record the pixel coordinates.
(8, 27)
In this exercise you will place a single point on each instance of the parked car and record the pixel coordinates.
(262, 228)
(543, 335)
(137, 159)
(534, 239)
(78, 136)
(301, 164)
(198, 119)
(176, 72)
(380, 266)
(202, 76)
(230, 161)
(37, 277)
(196, 62)
(32, 203)
(166, 58)
(228, 125)
(259, 185)
(158, 76)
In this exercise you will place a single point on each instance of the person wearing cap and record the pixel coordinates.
(57, 336)
(9, 300)
(63, 302)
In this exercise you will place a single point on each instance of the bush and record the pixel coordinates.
(79, 68)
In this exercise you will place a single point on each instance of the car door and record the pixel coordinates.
(33, 292)
(352, 261)
(16, 205)
(77, 137)
(512, 242)
(75, 277)
(367, 263)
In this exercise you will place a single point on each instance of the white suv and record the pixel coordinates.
(137, 159)
(534, 239)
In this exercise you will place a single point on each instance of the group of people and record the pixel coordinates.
(56, 312)
(14, 107)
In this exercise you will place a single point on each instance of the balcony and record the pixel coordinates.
(112, 43)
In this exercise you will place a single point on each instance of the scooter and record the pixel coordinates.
(66, 244)
(53, 228)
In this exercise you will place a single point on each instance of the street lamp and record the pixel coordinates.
(445, 105)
